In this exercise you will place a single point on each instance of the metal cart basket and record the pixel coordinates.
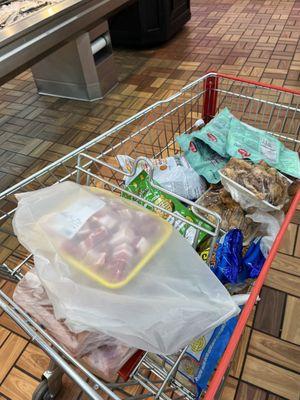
(150, 133)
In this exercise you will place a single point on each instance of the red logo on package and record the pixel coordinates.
(193, 147)
(211, 137)
(244, 153)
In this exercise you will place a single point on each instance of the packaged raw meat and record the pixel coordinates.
(32, 297)
(174, 281)
(102, 236)
(106, 361)
(102, 353)
(172, 173)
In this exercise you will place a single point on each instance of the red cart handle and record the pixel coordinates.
(261, 84)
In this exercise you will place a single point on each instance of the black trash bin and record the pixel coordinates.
(149, 22)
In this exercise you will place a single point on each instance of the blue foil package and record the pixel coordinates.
(229, 257)
(212, 353)
(254, 259)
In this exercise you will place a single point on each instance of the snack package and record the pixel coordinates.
(245, 141)
(151, 303)
(142, 187)
(254, 259)
(192, 358)
(172, 173)
(229, 257)
(214, 134)
(243, 283)
(205, 161)
(212, 354)
(258, 186)
(201, 357)
(232, 214)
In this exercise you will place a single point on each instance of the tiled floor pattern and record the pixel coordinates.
(251, 38)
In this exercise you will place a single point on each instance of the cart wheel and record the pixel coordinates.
(42, 391)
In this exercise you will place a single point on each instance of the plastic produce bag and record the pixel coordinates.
(258, 251)
(174, 290)
(269, 224)
(172, 173)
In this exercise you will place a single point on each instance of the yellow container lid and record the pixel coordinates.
(109, 242)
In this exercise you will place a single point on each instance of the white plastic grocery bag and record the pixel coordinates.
(171, 297)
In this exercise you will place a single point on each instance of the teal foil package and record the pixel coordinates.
(245, 141)
(205, 161)
(226, 136)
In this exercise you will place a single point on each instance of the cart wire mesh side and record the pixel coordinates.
(149, 134)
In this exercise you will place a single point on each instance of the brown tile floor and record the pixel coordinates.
(252, 38)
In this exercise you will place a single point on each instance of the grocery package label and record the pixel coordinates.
(269, 150)
(71, 219)
(244, 141)
(188, 367)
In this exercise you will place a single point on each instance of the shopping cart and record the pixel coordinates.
(150, 133)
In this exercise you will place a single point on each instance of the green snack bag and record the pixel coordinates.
(205, 161)
(142, 187)
(215, 132)
(245, 141)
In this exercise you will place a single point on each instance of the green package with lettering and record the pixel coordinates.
(142, 187)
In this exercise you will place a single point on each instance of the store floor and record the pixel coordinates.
(251, 38)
